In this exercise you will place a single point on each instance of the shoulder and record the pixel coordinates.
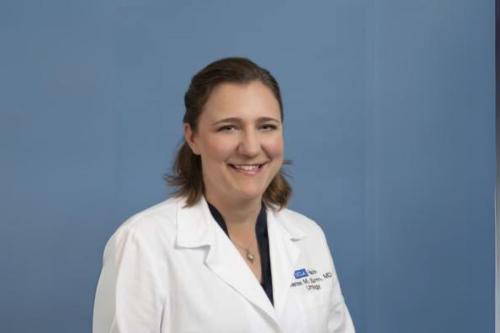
(152, 226)
(160, 215)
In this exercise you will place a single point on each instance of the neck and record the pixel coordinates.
(237, 213)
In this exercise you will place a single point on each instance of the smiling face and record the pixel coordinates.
(239, 137)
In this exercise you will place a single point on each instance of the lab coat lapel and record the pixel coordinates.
(225, 260)
(284, 253)
(196, 227)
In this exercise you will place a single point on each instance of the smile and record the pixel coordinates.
(247, 169)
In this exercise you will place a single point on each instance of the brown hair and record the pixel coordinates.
(186, 171)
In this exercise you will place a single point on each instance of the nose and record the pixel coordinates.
(249, 144)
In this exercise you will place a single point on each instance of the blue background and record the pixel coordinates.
(389, 119)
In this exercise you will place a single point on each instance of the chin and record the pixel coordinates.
(249, 195)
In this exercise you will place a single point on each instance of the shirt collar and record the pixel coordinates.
(260, 226)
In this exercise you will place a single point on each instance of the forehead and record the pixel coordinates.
(247, 100)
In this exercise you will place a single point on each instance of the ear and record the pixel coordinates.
(189, 137)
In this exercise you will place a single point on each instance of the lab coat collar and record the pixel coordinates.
(197, 228)
(194, 225)
(286, 228)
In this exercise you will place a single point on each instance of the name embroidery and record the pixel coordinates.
(310, 279)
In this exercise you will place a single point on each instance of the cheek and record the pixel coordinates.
(218, 150)
(275, 147)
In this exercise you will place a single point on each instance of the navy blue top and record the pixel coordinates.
(262, 240)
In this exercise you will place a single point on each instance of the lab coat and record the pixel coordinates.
(172, 269)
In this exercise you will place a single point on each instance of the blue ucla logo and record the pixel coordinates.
(300, 273)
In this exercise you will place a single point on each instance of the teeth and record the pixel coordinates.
(252, 167)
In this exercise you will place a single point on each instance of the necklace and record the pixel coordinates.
(249, 255)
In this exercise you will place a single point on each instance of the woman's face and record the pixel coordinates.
(240, 141)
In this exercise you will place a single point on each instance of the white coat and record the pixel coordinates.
(172, 269)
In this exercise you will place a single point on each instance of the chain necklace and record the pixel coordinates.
(249, 255)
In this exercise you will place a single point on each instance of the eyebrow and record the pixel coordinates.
(238, 120)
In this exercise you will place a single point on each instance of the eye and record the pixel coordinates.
(268, 127)
(227, 128)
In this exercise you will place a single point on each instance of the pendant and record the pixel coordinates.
(250, 256)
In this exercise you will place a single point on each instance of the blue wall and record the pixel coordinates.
(389, 121)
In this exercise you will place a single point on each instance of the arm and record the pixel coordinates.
(130, 293)
(339, 320)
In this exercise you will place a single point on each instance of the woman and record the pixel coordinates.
(224, 254)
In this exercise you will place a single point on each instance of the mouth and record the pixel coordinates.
(248, 169)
